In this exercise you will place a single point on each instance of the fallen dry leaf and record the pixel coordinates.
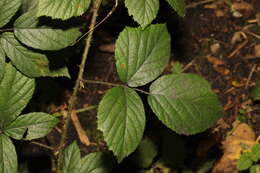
(243, 8)
(214, 60)
(257, 50)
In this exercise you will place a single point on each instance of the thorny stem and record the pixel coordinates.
(114, 84)
(96, 5)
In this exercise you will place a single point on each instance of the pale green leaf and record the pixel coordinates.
(36, 125)
(62, 9)
(15, 92)
(29, 5)
(255, 168)
(8, 8)
(96, 163)
(44, 38)
(255, 92)
(141, 55)
(244, 162)
(178, 6)
(30, 63)
(2, 63)
(71, 159)
(185, 103)
(143, 11)
(121, 118)
(8, 157)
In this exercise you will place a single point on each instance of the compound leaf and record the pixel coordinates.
(184, 103)
(96, 163)
(121, 118)
(30, 63)
(62, 9)
(143, 11)
(255, 92)
(36, 124)
(44, 38)
(178, 6)
(15, 92)
(141, 55)
(8, 10)
(8, 157)
(2, 63)
(71, 159)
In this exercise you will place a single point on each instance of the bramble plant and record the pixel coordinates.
(183, 102)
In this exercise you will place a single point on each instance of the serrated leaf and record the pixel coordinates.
(2, 63)
(36, 125)
(244, 163)
(71, 159)
(143, 11)
(255, 92)
(121, 118)
(15, 92)
(141, 55)
(30, 63)
(8, 157)
(44, 38)
(8, 10)
(62, 9)
(178, 6)
(96, 163)
(184, 103)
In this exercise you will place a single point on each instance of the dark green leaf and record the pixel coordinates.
(8, 157)
(96, 163)
(62, 9)
(36, 124)
(178, 6)
(2, 63)
(141, 55)
(143, 11)
(30, 63)
(15, 92)
(8, 8)
(255, 93)
(121, 118)
(185, 103)
(244, 163)
(71, 159)
(44, 38)
(256, 150)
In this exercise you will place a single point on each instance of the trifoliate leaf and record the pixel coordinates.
(255, 93)
(44, 38)
(36, 125)
(143, 11)
(30, 63)
(15, 92)
(8, 8)
(71, 159)
(141, 55)
(96, 163)
(62, 9)
(178, 6)
(121, 118)
(8, 157)
(2, 63)
(184, 103)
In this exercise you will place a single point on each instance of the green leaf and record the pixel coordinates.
(141, 55)
(96, 163)
(184, 103)
(145, 153)
(143, 11)
(244, 163)
(2, 63)
(255, 169)
(36, 124)
(30, 63)
(8, 157)
(256, 150)
(121, 118)
(29, 5)
(8, 10)
(71, 159)
(178, 6)
(177, 68)
(62, 9)
(255, 92)
(44, 38)
(15, 92)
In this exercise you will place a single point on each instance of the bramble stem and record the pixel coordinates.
(73, 98)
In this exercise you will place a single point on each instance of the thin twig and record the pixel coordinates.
(86, 109)
(195, 4)
(114, 84)
(237, 49)
(96, 5)
(43, 145)
(250, 76)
